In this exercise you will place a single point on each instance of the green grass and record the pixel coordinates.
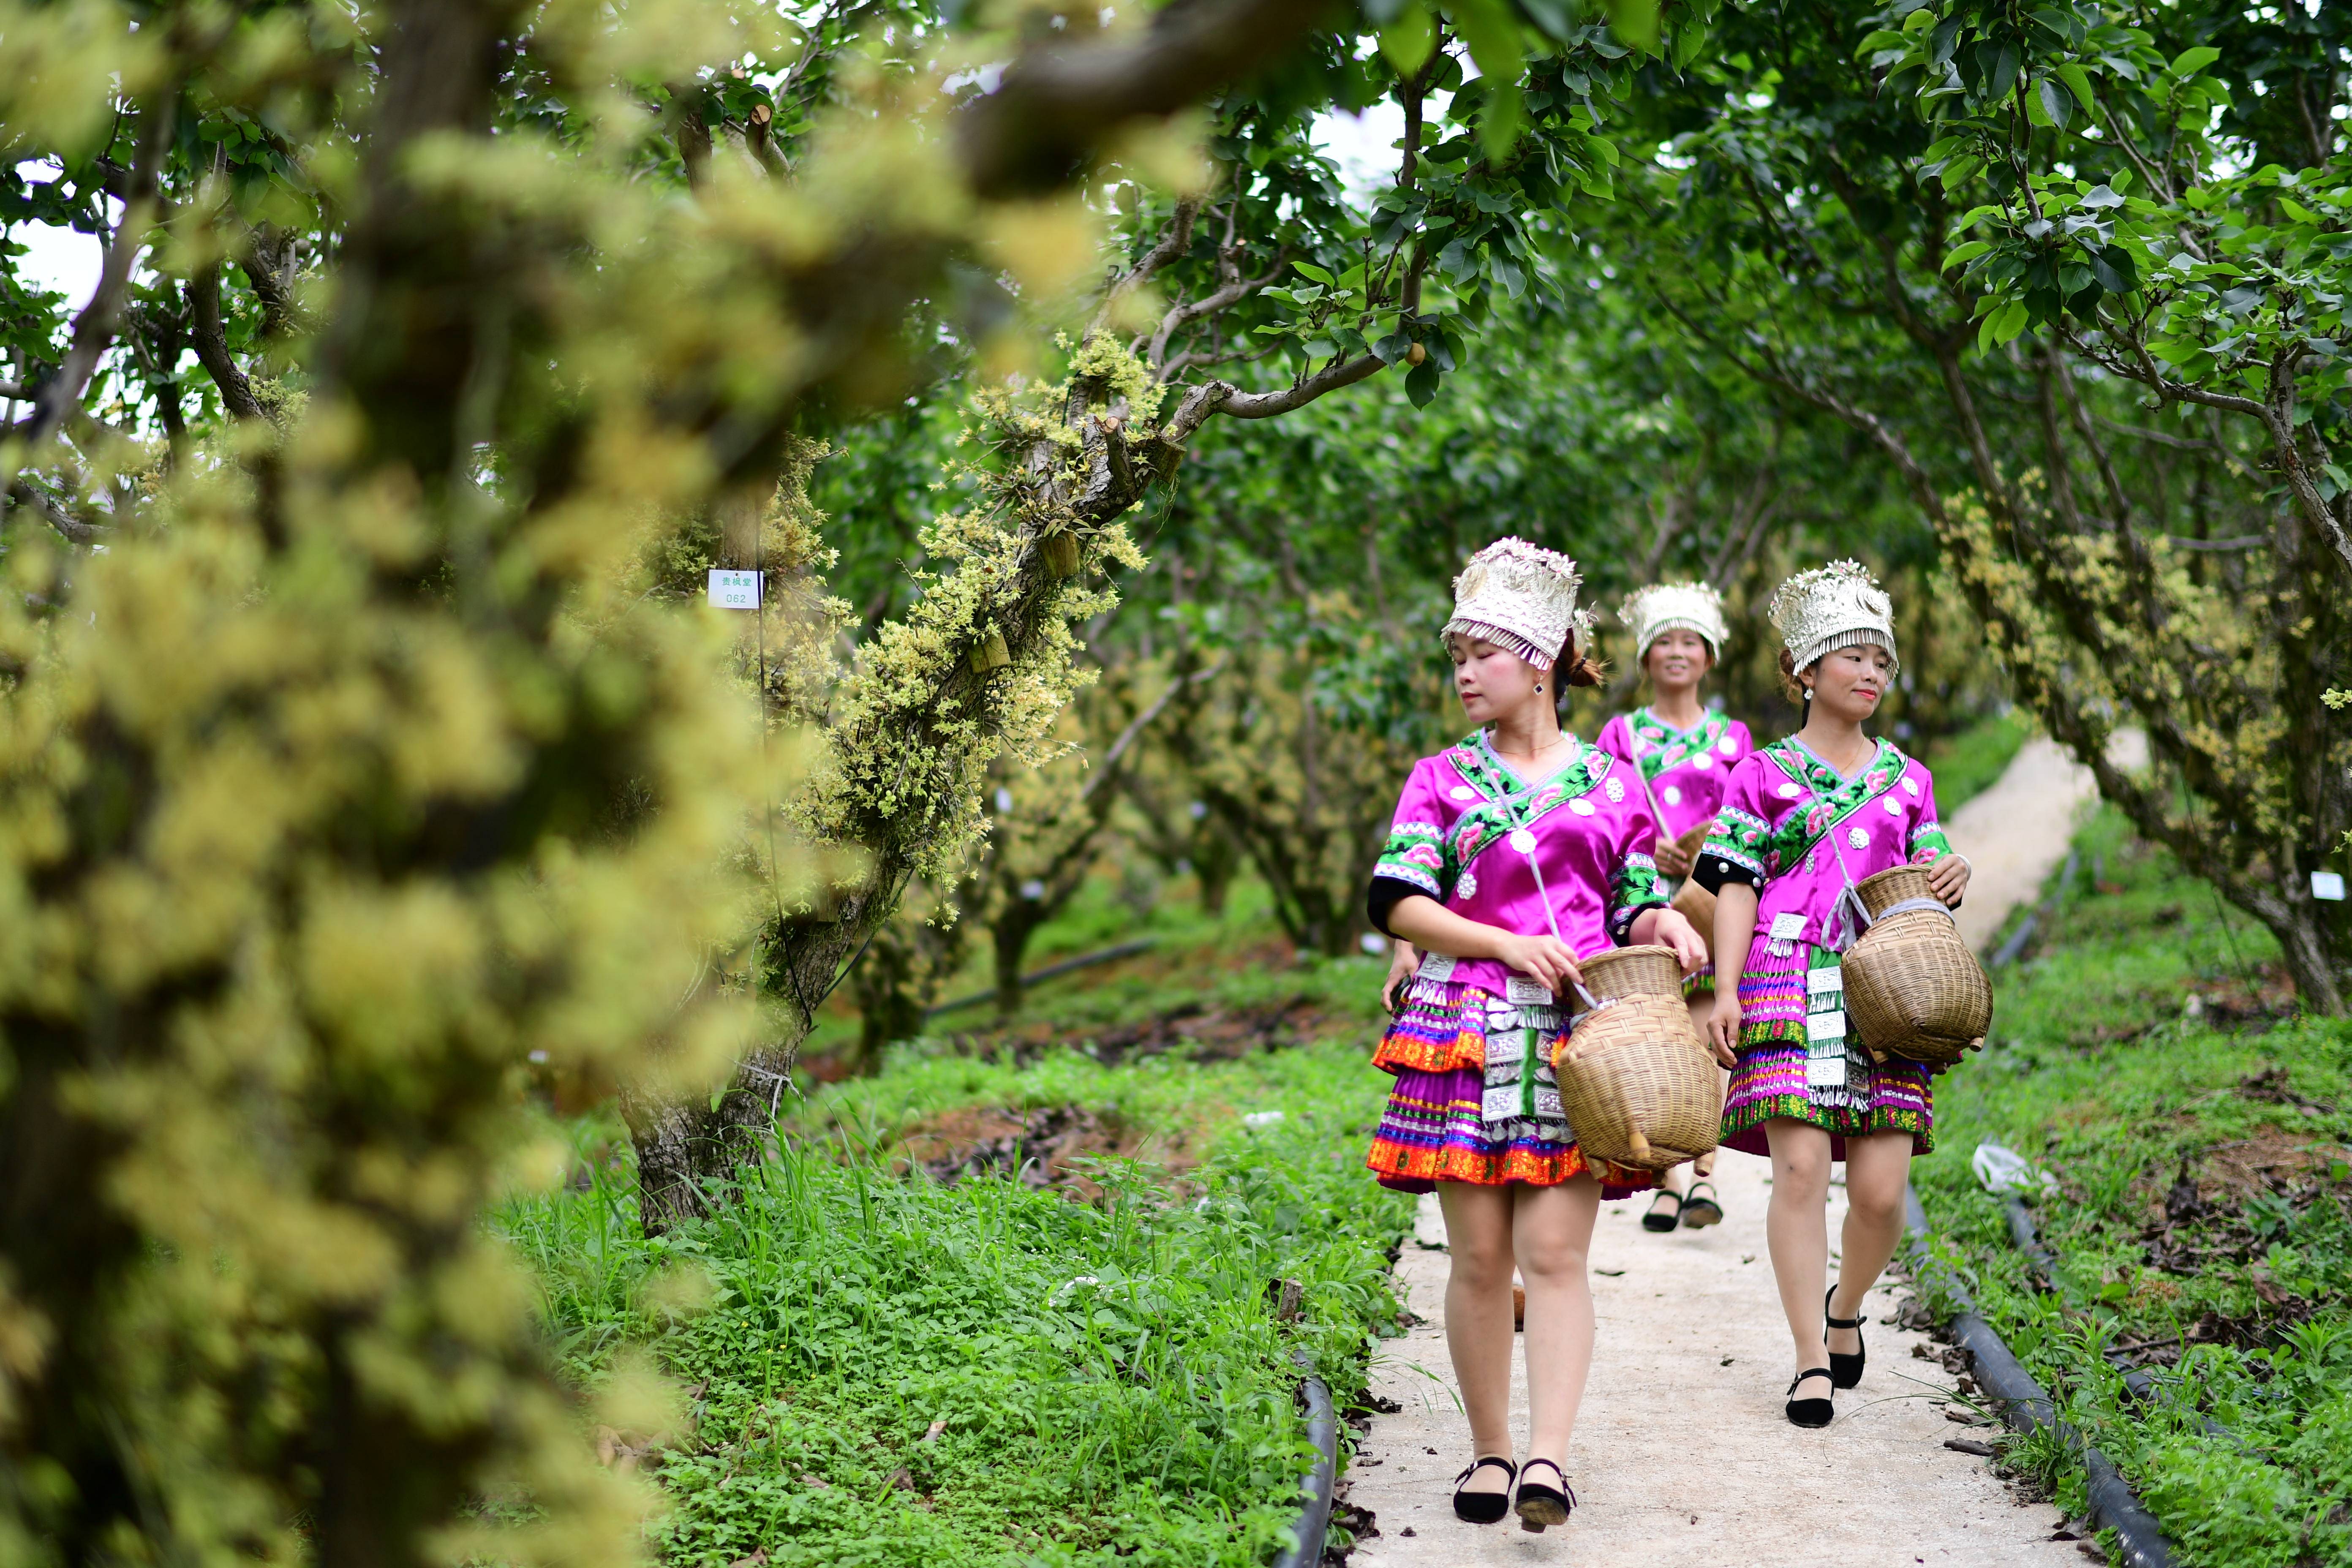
(1967, 762)
(1114, 1380)
(2101, 1071)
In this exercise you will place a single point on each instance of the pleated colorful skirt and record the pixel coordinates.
(1475, 1099)
(1791, 1068)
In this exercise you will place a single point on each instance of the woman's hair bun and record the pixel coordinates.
(1578, 668)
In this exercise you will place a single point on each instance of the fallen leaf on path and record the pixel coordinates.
(1969, 1445)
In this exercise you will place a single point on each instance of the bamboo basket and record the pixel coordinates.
(1692, 902)
(1913, 989)
(1637, 1085)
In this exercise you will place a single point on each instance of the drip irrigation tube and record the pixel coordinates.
(2021, 1404)
(1084, 961)
(2043, 1263)
(1305, 1547)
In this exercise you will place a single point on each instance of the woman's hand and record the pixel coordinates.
(1403, 963)
(1671, 858)
(1723, 1025)
(1947, 879)
(1674, 930)
(1547, 958)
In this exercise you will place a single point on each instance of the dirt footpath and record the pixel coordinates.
(1681, 1458)
(2016, 832)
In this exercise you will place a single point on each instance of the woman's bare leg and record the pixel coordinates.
(1702, 1007)
(1796, 1231)
(1479, 1333)
(1678, 1180)
(1551, 1232)
(1877, 1168)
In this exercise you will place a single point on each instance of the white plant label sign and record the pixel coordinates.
(734, 590)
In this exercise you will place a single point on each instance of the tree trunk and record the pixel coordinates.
(2315, 941)
(1014, 928)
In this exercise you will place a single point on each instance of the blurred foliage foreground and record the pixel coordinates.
(345, 764)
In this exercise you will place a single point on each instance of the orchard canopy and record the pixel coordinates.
(1102, 398)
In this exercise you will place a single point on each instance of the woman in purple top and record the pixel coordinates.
(1686, 754)
(1514, 854)
(1803, 822)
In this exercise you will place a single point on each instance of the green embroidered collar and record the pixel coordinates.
(1663, 747)
(1834, 796)
(1510, 801)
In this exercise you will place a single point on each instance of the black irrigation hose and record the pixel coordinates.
(2021, 1404)
(1305, 1547)
(1084, 961)
(2141, 1382)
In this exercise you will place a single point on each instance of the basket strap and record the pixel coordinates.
(1909, 905)
(1535, 864)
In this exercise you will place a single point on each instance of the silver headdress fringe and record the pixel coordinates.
(1834, 606)
(1520, 596)
(1670, 607)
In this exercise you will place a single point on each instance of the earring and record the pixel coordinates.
(1809, 694)
(1538, 686)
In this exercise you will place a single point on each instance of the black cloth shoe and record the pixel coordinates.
(1698, 1213)
(1810, 1412)
(1484, 1508)
(1662, 1221)
(1845, 1370)
(1540, 1505)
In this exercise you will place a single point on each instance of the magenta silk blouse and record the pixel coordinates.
(1463, 831)
(1687, 769)
(1794, 829)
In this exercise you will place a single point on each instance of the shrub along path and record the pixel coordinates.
(1681, 1455)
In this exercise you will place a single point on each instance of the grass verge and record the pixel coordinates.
(887, 1369)
(2203, 1218)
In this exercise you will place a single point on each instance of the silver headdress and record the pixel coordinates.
(1834, 606)
(1520, 596)
(1671, 606)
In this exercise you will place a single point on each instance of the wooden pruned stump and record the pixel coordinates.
(1058, 552)
(990, 653)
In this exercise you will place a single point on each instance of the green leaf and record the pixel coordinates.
(1492, 31)
(2297, 211)
(1636, 22)
(1961, 255)
(1408, 40)
(1958, 170)
(1316, 273)
(1421, 384)
(2190, 61)
(2056, 104)
(2078, 82)
(1871, 45)
(2004, 72)
(1393, 347)
(1498, 124)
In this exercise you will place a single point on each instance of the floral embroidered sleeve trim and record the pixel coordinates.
(1734, 851)
(1415, 853)
(1928, 843)
(1633, 889)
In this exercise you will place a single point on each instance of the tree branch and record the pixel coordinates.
(1224, 397)
(94, 329)
(1174, 241)
(210, 340)
(1035, 130)
(23, 493)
